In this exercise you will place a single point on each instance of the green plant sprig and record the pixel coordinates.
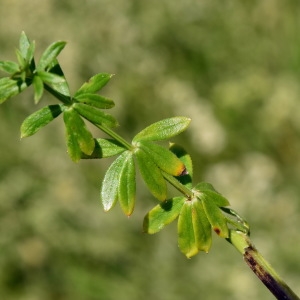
(199, 208)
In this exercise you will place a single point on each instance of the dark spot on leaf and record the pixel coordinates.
(217, 231)
(184, 172)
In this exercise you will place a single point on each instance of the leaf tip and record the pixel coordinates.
(184, 172)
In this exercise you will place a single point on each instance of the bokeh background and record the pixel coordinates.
(233, 67)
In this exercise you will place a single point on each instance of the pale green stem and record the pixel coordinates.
(179, 186)
(64, 99)
(115, 136)
(261, 268)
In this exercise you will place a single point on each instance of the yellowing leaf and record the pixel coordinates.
(215, 216)
(164, 158)
(194, 230)
(185, 179)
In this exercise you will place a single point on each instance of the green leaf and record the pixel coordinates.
(9, 67)
(151, 175)
(105, 148)
(202, 227)
(50, 54)
(38, 88)
(61, 87)
(25, 55)
(111, 181)
(163, 129)
(194, 231)
(205, 186)
(24, 45)
(50, 78)
(95, 100)
(73, 147)
(180, 152)
(21, 60)
(162, 215)
(214, 215)
(77, 135)
(10, 87)
(95, 84)
(39, 119)
(164, 158)
(95, 115)
(205, 189)
(30, 52)
(127, 185)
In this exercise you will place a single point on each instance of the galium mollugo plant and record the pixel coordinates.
(198, 208)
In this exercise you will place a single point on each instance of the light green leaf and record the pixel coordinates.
(151, 175)
(30, 52)
(25, 53)
(77, 130)
(202, 227)
(194, 231)
(21, 59)
(205, 186)
(105, 148)
(111, 181)
(51, 78)
(24, 45)
(163, 129)
(164, 158)
(162, 215)
(214, 215)
(127, 185)
(39, 119)
(50, 54)
(186, 235)
(10, 87)
(9, 67)
(38, 88)
(61, 87)
(95, 100)
(95, 115)
(95, 84)
(205, 189)
(73, 147)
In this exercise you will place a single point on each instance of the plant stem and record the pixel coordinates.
(179, 186)
(64, 99)
(115, 136)
(261, 268)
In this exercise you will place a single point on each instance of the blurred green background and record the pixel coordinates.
(233, 67)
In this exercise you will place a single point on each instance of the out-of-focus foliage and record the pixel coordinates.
(233, 67)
